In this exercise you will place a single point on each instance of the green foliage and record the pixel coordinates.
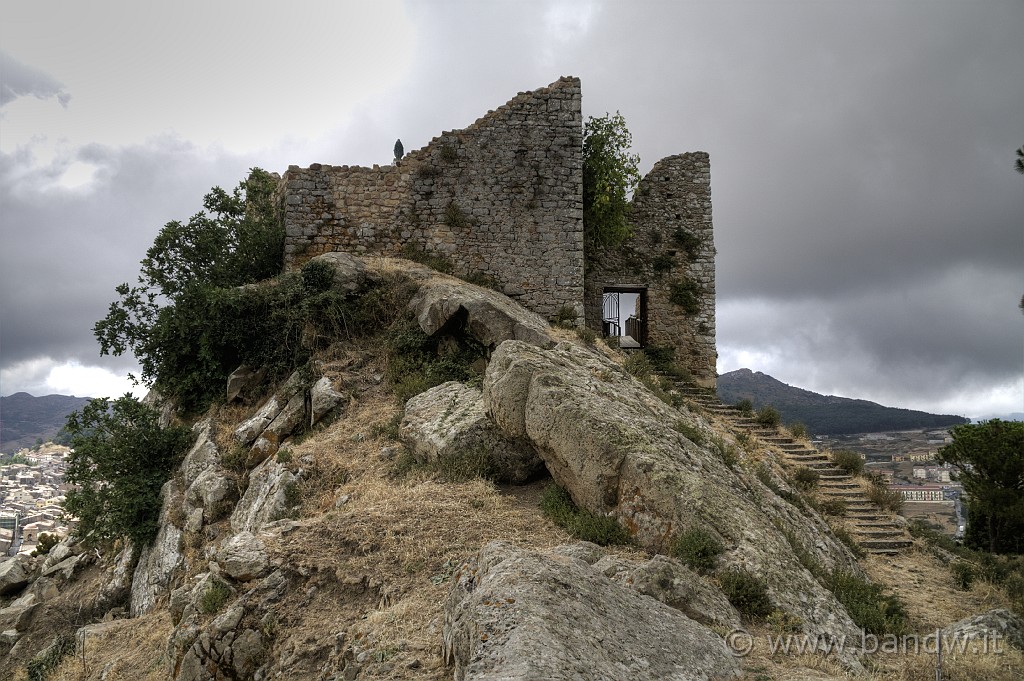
(768, 416)
(687, 241)
(417, 362)
(849, 461)
(885, 498)
(834, 506)
(610, 174)
(213, 599)
(745, 406)
(663, 360)
(47, 660)
(455, 217)
(725, 451)
(557, 505)
(843, 535)
(747, 592)
(869, 608)
(638, 364)
(963, 574)
(235, 240)
(782, 622)
(434, 261)
(989, 458)
(46, 542)
(797, 430)
(317, 276)
(697, 548)
(566, 317)
(684, 294)
(805, 479)
(15, 459)
(586, 335)
(464, 466)
(662, 262)
(121, 458)
(689, 431)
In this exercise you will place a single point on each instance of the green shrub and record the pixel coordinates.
(869, 608)
(851, 462)
(638, 364)
(725, 451)
(697, 548)
(464, 466)
(885, 498)
(747, 593)
(745, 406)
(805, 479)
(414, 252)
(684, 294)
(687, 241)
(557, 505)
(963, 574)
(843, 535)
(586, 335)
(689, 432)
(662, 262)
(317, 276)
(797, 430)
(805, 557)
(455, 217)
(47, 660)
(46, 542)
(566, 317)
(213, 599)
(768, 416)
(121, 457)
(415, 362)
(610, 174)
(834, 506)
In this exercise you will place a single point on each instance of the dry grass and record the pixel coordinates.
(128, 650)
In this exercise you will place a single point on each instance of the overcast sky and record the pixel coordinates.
(868, 220)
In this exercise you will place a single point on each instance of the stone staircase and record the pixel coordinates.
(874, 530)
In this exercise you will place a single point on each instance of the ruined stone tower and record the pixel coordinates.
(503, 199)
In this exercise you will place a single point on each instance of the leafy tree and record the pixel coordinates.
(121, 459)
(990, 459)
(610, 174)
(235, 240)
(1019, 163)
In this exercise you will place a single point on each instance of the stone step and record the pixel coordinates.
(877, 525)
(884, 552)
(852, 496)
(803, 451)
(795, 446)
(837, 484)
(778, 440)
(880, 534)
(886, 543)
(835, 478)
(765, 432)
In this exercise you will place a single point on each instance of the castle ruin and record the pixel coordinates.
(503, 200)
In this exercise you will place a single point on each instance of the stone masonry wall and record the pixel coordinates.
(672, 255)
(501, 198)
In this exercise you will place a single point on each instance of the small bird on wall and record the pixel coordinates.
(399, 149)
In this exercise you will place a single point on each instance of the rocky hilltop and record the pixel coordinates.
(328, 531)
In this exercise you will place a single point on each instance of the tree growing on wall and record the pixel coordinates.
(989, 457)
(610, 174)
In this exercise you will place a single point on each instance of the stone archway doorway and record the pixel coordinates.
(624, 315)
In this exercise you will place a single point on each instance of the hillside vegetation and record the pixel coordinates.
(824, 414)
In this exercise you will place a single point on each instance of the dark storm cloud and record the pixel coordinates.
(65, 250)
(20, 80)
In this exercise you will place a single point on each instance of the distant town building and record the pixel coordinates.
(920, 492)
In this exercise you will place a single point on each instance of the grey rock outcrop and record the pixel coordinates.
(486, 315)
(349, 271)
(995, 628)
(613, 445)
(514, 614)
(266, 498)
(449, 421)
(159, 560)
(243, 557)
(15, 574)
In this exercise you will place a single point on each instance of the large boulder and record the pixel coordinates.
(15, 574)
(266, 499)
(486, 315)
(449, 422)
(243, 557)
(994, 628)
(349, 271)
(514, 614)
(616, 448)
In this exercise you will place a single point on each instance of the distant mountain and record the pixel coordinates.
(824, 414)
(24, 419)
